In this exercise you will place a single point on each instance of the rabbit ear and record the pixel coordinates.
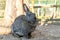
(25, 8)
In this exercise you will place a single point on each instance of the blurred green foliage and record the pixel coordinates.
(2, 8)
(46, 1)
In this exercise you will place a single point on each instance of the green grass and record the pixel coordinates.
(1, 16)
(46, 1)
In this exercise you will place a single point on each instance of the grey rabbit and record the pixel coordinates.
(23, 25)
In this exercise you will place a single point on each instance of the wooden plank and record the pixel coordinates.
(55, 5)
(50, 19)
(53, 19)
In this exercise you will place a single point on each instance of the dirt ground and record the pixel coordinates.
(50, 32)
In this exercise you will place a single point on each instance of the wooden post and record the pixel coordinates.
(19, 6)
(13, 9)
(32, 5)
(10, 12)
